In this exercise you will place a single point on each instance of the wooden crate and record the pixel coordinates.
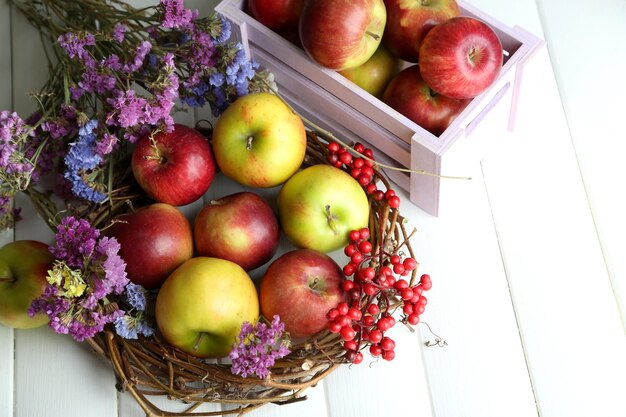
(333, 102)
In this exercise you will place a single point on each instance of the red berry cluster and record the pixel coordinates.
(375, 293)
(361, 169)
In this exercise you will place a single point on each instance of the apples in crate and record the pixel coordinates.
(408, 22)
(335, 103)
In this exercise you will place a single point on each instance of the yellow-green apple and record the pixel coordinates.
(201, 306)
(319, 206)
(408, 22)
(461, 57)
(259, 141)
(342, 34)
(278, 15)
(154, 240)
(410, 96)
(240, 227)
(24, 266)
(301, 286)
(175, 168)
(374, 75)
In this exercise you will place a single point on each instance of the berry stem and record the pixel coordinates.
(330, 137)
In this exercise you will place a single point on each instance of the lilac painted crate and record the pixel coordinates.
(331, 101)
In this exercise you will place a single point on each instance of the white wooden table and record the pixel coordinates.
(527, 258)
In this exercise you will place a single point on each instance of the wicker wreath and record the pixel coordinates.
(149, 366)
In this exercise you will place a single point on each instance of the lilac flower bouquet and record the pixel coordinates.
(117, 73)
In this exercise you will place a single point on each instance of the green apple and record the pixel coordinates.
(24, 266)
(201, 306)
(375, 74)
(259, 141)
(320, 205)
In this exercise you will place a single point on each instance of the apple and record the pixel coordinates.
(201, 306)
(320, 205)
(461, 58)
(408, 22)
(301, 286)
(410, 96)
(24, 266)
(259, 141)
(175, 168)
(240, 227)
(342, 34)
(154, 240)
(278, 15)
(374, 75)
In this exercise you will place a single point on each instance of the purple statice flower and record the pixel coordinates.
(175, 16)
(111, 62)
(106, 144)
(15, 135)
(257, 348)
(127, 109)
(74, 241)
(74, 44)
(108, 260)
(135, 113)
(96, 80)
(49, 303)
(142, 51)
(87, 269)
(118, 32)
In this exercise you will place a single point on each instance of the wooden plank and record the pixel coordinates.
(66, 376)
(596, 131)
(6, 333)
(568, 317)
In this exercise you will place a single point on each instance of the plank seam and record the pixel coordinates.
(508, 285)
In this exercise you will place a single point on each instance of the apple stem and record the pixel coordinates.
(157, 153)
(6, 279)
(373, 35)
(331, 219)
(249, 143)
(197, 345)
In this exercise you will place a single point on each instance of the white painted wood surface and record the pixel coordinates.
(526, 258)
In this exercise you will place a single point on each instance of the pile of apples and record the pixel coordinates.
(420, 57)
(200, 269)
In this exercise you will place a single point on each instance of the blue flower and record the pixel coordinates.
(225, 32)
(136, 296)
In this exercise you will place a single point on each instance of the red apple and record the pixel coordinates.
(154, 241)
(175, 168)
(409, 21)
(241, 228)
(301, 287)
(461, 58)
(24, 266)
(341, 34)
(374, 75)
(410, 96)
(278, 15)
